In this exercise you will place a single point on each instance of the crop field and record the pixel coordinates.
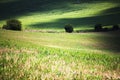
(48, 56)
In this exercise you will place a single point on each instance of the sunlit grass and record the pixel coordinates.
(56, 64)
(31, 55)
(75, 11)
(35, 56)
(69, 12)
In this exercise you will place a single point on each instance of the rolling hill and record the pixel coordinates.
(53, 15)
(29, 55)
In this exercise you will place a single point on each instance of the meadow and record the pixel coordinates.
(53, 15)
(44, 51)
(61, 56)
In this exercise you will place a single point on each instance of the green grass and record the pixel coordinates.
(35, 56)
(53, 15)
(31, 55)
(84, 18)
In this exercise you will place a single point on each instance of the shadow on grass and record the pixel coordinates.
(23, 7)
(110, 19)
(110, 41)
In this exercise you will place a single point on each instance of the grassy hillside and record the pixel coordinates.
(61, 56)
(29, 55)
(52, 14)
(76, 41)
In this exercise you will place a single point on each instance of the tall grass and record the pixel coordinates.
(35, 56)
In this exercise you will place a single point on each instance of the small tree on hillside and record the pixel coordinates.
(5, 27)
(13, 24)
(68, 28)
(98, 27)
(115, 27)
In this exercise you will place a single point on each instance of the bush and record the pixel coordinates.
(68, 28)
(105, 29)
(13, 24)
(98, 27)
(5, 27)
(115, 27)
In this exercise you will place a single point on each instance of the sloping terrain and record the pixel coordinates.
(28, 55)
(61, 56)
(52, 14)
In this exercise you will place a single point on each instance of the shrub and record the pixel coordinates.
(98, 27)
(68, 28)
(5, 27)
(115, 27)
(13, 24)
(105, 29)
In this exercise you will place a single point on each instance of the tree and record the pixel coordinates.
(115, 27)
(98, 27)
(68, 28)
(13, 24)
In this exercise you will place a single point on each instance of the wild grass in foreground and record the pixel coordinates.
(57, 64)
(25, 56)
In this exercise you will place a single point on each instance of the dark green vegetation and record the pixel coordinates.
(115, 27)
(13, 24)
(68, 28)
(100, 28)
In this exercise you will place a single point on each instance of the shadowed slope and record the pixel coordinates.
(14, 8)
(109, 41)
(22, 7)
(48, 13)
(81, 22)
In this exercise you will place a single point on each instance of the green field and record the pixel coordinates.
(35, 56)
(53, 15)
(44, 51)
